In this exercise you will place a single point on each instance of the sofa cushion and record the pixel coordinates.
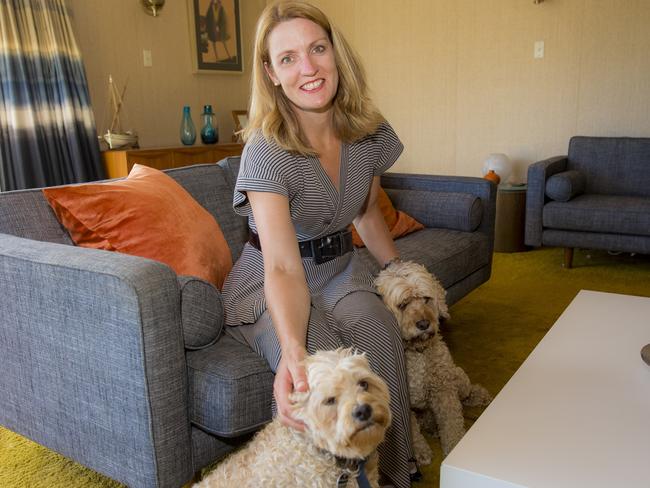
(231, 376)
(399, 223)
(201, 312)
(612, 165)
(563, 186)
(608, 214)
(450, 255)
(444, 210)
(212, 185)
(147, 214)
(27, 214)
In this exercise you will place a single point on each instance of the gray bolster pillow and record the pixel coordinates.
(443, 210)
(201, 312)
(563, 186)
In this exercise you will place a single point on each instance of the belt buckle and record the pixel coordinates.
(328, 248)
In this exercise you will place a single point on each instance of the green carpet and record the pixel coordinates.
(491, 332)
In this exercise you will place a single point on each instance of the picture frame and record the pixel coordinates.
(215, 36)
(240, 117)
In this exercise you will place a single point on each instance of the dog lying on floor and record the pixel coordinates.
(346, 412)
(438, 388)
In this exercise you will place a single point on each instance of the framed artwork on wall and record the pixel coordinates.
(240, 117)
(215, 36)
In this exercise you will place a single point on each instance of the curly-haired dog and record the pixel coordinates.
(437, 387)
(346, 412)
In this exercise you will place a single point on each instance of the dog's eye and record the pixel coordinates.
(403, 305)
(427, 299)
(363, 384)
(330, 401)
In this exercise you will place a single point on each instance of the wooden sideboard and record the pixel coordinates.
(118, 162)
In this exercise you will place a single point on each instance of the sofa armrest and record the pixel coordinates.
(479, 187)
(92, 359)
(201, 312)
(538, 173)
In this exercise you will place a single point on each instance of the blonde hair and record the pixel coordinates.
(270, 112)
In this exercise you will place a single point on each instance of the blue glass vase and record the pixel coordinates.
(188, 131)
(209, 132)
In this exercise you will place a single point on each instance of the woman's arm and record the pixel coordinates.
(287, 295)
(372, 228)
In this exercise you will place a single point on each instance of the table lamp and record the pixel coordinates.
(500, 164)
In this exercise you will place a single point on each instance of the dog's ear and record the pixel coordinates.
(444, 313)
(380, 282)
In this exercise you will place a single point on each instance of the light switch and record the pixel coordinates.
(539, 50)
(146, 56)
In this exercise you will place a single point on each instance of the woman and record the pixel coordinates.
(315, 149)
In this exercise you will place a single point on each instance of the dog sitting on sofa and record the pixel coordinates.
(346, 413)
(438, 388)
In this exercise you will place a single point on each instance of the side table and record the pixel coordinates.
(510, 219)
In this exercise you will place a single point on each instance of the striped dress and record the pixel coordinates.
(345, 308)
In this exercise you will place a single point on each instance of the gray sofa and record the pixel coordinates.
(595, 197)
(92, 351)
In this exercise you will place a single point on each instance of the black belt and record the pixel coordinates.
(322, 249)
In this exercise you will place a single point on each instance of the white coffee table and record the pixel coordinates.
(577, 412)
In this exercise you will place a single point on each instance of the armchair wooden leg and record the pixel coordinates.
(568, 257)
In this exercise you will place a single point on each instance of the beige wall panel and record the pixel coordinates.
(508, 101)
(112, 38)
(484, 92)
(615, 83)
(413, 73)
(409, 52)
(456, 78)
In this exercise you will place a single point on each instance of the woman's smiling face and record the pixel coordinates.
(301, 60)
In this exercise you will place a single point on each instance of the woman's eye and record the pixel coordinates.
(319, 49)
(285, 60)
(330, 401)
(363, 384)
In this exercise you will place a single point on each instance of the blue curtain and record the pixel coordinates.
(47, 127)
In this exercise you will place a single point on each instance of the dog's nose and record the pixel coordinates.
(362, 412)
(422, 324)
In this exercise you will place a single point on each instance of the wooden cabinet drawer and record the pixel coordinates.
(118, 163)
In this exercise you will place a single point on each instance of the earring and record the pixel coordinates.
(276, 84)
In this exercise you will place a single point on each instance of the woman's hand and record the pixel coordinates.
(289, 377)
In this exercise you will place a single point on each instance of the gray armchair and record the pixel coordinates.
(595, 197)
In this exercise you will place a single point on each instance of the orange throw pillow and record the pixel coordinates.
(399, 223)
(147, 214)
